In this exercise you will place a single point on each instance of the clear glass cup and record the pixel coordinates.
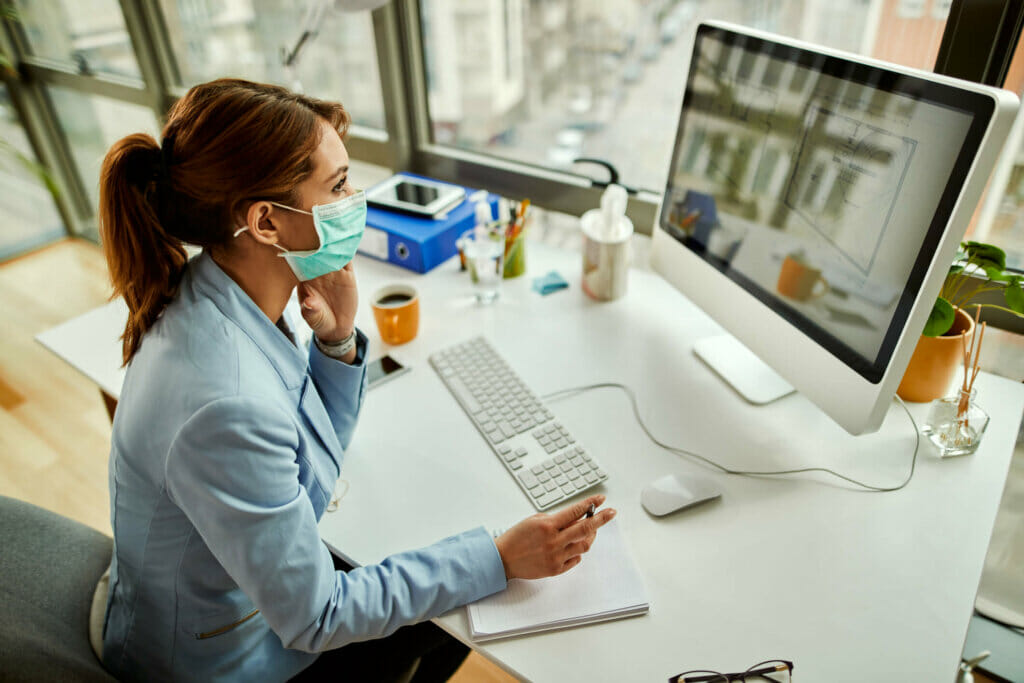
(484, 253)
(955, 424)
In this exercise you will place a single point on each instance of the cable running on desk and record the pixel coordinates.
(565, 393)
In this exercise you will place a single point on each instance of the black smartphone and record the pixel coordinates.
(383, 369)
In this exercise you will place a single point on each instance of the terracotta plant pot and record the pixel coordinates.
(935, 362)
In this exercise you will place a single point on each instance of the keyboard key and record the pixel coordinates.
(548, 498)
(461, 391)
(528, 479)
(568, 489)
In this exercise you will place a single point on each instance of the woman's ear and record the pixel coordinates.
(260, 219)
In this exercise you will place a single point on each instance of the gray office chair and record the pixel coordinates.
(49, 566)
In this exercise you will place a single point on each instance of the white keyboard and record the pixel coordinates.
(537, 450)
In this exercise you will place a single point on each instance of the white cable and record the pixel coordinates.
(565, 393)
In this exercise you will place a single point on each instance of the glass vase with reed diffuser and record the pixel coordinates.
(956, 423)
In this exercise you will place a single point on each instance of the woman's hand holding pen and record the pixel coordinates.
(329, 304)
(549, 544)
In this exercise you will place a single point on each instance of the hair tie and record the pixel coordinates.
(166, 159)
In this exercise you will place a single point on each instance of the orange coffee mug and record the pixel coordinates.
(396, 308)
(799, 281)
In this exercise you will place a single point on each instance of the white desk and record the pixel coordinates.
(845, 584)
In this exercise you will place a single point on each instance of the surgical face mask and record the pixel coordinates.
(339, 225)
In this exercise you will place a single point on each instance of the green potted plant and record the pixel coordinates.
(978, 269)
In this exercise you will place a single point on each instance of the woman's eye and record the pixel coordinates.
(340, 186)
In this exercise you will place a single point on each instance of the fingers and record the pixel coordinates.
(570, 563)
(587, 527)
(579, 547)
(568, 515)
(308, 296)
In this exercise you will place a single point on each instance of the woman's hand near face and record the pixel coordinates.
(329, 304)
(549, 544)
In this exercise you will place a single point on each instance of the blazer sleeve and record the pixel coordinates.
(341, 386)
(232, 470)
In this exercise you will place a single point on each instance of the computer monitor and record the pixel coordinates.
(814, 203)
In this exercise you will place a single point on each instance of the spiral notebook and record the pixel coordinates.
(605, 585)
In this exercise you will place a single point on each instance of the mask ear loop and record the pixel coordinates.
(242, 229)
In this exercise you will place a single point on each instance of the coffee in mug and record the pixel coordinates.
(396, 309)
(394, 300)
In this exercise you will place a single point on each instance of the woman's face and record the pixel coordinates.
(327, 183)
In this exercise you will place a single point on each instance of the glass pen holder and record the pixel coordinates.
(515, 253)
(955, 424)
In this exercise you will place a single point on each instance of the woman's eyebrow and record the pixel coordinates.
(342, 170)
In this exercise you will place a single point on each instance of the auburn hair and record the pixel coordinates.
(226, 143)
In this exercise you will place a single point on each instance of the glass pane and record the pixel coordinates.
(92, 124)
(30, 216)
(332, 53)
(549, 81)
(1007, 228)
(88, 34)
(1003, 222)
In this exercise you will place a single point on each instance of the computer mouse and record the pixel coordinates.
(677, 492)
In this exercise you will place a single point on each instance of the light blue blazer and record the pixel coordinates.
(226, 447)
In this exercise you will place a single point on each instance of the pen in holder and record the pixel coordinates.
(515, 242)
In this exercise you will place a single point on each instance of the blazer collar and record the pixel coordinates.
(289, 361)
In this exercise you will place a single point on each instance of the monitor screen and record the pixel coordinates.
(822, 184)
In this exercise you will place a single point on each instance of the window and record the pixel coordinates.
(30, 218)
(87, 35)
(91, 124)
(310, 47)
(545, 82)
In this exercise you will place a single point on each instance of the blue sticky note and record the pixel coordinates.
(552, 282)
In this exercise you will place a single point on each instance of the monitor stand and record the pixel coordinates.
(742, 369)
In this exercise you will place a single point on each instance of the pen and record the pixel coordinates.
(590, 511)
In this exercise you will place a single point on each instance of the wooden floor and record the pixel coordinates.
(54, 430)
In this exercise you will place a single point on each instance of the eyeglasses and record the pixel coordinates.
(774, 670)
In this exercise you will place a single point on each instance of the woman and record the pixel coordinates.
(228, 439)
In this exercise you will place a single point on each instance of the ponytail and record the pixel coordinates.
(145, 262)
